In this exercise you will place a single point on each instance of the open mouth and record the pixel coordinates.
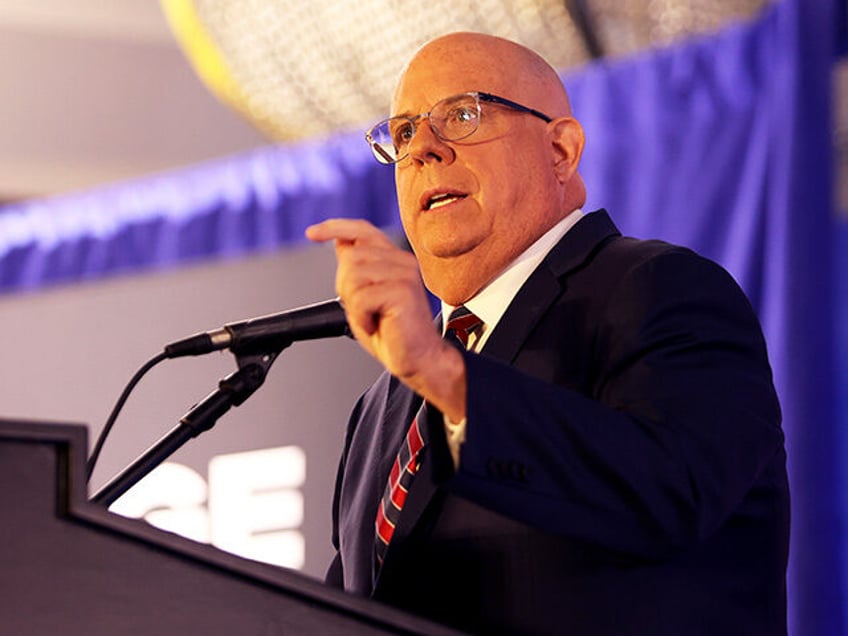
(442, 199)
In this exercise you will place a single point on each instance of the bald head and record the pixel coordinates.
(495, 65)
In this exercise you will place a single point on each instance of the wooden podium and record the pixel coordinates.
(70, 567)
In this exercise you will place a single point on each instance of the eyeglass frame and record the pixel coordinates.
(479, 96)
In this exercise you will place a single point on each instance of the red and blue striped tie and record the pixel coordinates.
(460, 324)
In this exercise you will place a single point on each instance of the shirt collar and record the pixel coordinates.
(491, 302)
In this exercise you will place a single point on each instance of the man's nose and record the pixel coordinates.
(426, 145)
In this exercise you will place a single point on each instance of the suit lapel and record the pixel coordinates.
(547, 283)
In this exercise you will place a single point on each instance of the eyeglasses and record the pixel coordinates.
(451, 119)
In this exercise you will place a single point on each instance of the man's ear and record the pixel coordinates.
(567, 141)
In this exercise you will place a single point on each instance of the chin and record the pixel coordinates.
(448, 245)
(453, 280)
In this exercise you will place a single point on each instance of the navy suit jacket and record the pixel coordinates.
(623, 472)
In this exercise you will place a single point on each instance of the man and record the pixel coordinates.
(607, 458)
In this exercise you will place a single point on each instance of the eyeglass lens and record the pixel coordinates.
(452, 119)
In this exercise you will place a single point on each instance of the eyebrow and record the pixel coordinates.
(407, 114)
(410, 115)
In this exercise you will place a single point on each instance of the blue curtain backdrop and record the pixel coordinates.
(721, 143)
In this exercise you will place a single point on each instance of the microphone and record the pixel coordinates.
(267, 333)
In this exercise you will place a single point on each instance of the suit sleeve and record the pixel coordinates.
(674, 427)
(335, 575)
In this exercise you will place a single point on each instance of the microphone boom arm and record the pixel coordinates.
(232, 391)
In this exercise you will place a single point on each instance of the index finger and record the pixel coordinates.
(344, 230)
